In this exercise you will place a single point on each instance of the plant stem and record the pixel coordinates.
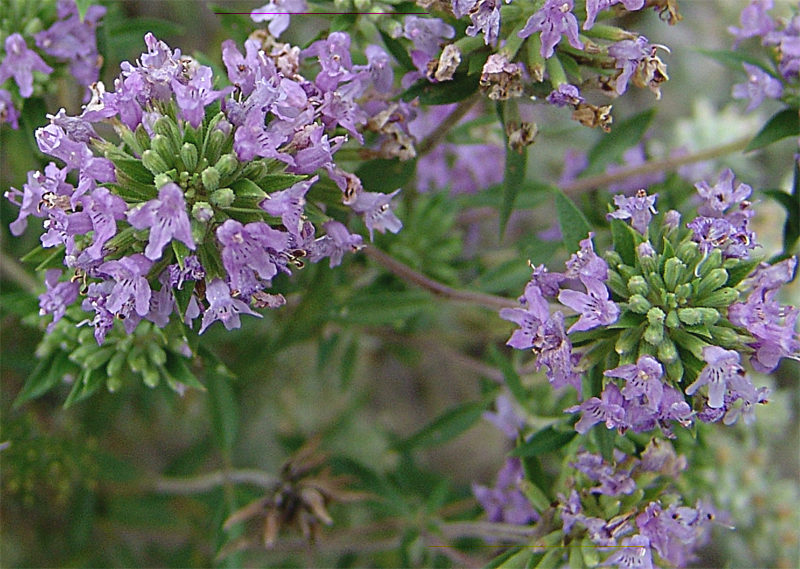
(418, 279)
(14, 272)
(207, 482)
(600, 180)
(452, 120)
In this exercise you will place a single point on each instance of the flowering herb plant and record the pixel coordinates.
(330, 243)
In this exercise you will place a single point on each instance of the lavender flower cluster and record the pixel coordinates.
(69, 40)
(204, 201)
(667, 314)
(779, 77)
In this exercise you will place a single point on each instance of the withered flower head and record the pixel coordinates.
(300, 499)
(592, 116)
(501, 78)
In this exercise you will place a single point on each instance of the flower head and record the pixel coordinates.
(553, 20)
(20, 62)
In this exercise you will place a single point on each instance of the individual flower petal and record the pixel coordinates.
(223, 307)
(594, 306)
(167, 219)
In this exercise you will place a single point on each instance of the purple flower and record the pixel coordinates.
(335, 243)
(760, 85)
(594, 7)
(96, 300)
(586, 263)
(485, 16)
(288, 204)
(131, 291)
(277, 12)
(8, 113)
(20, 63)
(223, 307)
(721, 367)
(633, 554)
(642, 379)
(787, 41)
(594, 306)
(546, 281)
(193, 97)
(505, 503)
(772, 326)
(639, 209)
(250, 251)
(628, 55)
(571, 510)
(671, 532)
(608, 409)
(192, 271)
(506, 418)
(58, 297)
(377, 71)
(754, 21)
(529, 319)
(427, 34)
(167, 219)
(613, 482)
(553, 20)
(377, 212)
(555, 353)
(564, 95)
(742, 388)
(770, 277)
(104, 209)
(334, 60)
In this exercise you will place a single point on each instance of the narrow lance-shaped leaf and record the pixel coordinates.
(514, 170)
(447, 426)
(613, 145)
(574, 226)
(783, 124)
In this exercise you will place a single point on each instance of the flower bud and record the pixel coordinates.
(616, 283)
(255, 170)
(188, 156)
(674, 272)
(153, 162)
(203, 212)
(722, 297)
(141, 138)
(227, 165)
(162, 180)
(150, 376)
(214, 143)
(672, 219)
(639, 304)
(688, 252)
(113, 384)
(156, 354)
(115, 364)
(672, 320)
(683, 291)
(727, 337)
(674, 369)
(711, 282)
(657, 283)
(690, 316)
(223, 197)
(712, 261)
(167, 128)
(32, 27)
(654, 333)
(210, 177)
(161, 145)
(97, 357)
(612, 258)
(637, 285)
(667, 351)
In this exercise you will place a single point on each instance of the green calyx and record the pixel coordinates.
(673, 299)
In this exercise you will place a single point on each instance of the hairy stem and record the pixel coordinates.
(600, 180)
(212, 480)
(452, 120)
(418, 279)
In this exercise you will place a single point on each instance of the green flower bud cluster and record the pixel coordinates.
(673, 299)
(70, 354)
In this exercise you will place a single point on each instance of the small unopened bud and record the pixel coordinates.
(726, 337)
(189, 156)
(156, 354)
(707, 264)
(612, 258)
(227, 165)
(32, 27)
(690, 316)
(674, 272)
(674, 370)
(637, 285)
(672, 320)
(210, 177)
(639, 304)
(722, 297)
(667, 352)
(687, 252)
(654, 333)
(167, 128)
(683, 291)
(161, 145)
(203, 212)
(672, 219)
(113, 384)
(216, 140)
(223, 197)
(162, 180)
(616, 283)
(154, 162)
(711, 282)
(115, 364)
(150, 376)
(628, 340)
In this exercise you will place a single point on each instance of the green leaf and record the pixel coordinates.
(509, 276)
(624, 243)
(513, 174)
(223, 407)
(276, 182)
(343, 22)
(740, 272)
(783, 124)
(519, 559)
(544, 440)
(791, 203)
(42, 379)
(444, 93)
(384, 308)
(501, 559)
(734, 59)
(574, 226)
(604, 437)
(86, 384)
(510, 375)
(134, 169)
(447, 426)
(176, 368)
(382, 175)
(83, 5)
(245, 188)
(46, 258)
(613, 145)
(396, 49)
